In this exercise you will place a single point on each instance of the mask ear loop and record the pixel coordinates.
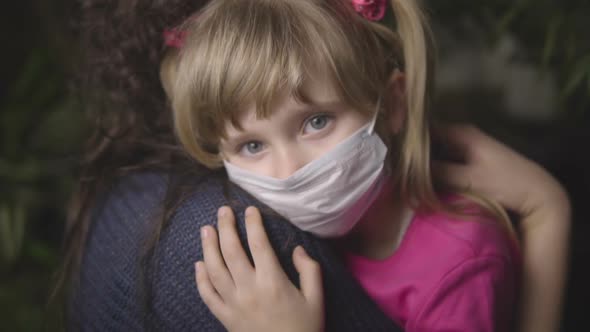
(371, 128)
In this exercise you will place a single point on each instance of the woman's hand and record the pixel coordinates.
(260, 297)
(488, 167)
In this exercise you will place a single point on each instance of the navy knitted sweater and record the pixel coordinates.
(109, 298)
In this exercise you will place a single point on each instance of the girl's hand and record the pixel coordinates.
(488, 167)
(260, 297)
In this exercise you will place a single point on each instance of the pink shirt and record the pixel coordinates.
(446, 275)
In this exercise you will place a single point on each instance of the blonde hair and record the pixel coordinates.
(252, 51)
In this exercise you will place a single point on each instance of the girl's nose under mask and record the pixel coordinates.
(329, 195)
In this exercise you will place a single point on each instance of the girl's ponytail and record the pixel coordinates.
(417, 44)
(416, 183)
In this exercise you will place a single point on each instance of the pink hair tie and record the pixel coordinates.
(372, 10)
(174, 37)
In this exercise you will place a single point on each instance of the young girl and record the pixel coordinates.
(321, 114)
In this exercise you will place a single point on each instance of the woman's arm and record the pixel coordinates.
(494, 170)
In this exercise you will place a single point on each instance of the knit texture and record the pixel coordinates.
(108, 297)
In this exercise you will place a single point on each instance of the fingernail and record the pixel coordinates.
(249, 211)
(222, 211)
(204, 232)
(197, 267)
(300, 251)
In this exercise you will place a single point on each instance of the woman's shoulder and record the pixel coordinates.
(109, 294)
(135, 206)
(108, 298)
(133, 200)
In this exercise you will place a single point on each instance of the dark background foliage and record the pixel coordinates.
(523, 75)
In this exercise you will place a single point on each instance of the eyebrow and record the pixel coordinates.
(323, 105)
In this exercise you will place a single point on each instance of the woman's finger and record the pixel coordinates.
(207, 291)
(215, 266)
(452, 174)
(310, 278)
(264, 256)
(455, 142)
(232, 250)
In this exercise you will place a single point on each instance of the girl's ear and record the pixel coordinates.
(397, 101)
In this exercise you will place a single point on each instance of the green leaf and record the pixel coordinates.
(31, 73)
(551, 39)
(510, 16)
(5, 234)
(580, 70)
(42, 253)
(12, 231)
(19, 220)
(56, 134)
(23, 171)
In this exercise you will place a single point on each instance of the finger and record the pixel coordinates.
(207, 291)
(455, 141)
(231, 248)
(310, 277)
(264, 256)
(452, 174)
(215, 266)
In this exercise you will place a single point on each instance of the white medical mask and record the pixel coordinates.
(329, 195)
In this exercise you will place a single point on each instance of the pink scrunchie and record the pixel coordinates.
(174, 37)
(372, 10)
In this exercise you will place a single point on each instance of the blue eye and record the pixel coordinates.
(252, 147)
(316, 123)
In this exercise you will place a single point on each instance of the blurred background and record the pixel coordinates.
(519, 69)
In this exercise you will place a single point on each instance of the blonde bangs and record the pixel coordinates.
(240, 53)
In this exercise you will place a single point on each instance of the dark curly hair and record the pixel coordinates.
(121, 48)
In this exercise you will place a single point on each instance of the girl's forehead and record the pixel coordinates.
(316, 89)
(315, 94)
(319, 88)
